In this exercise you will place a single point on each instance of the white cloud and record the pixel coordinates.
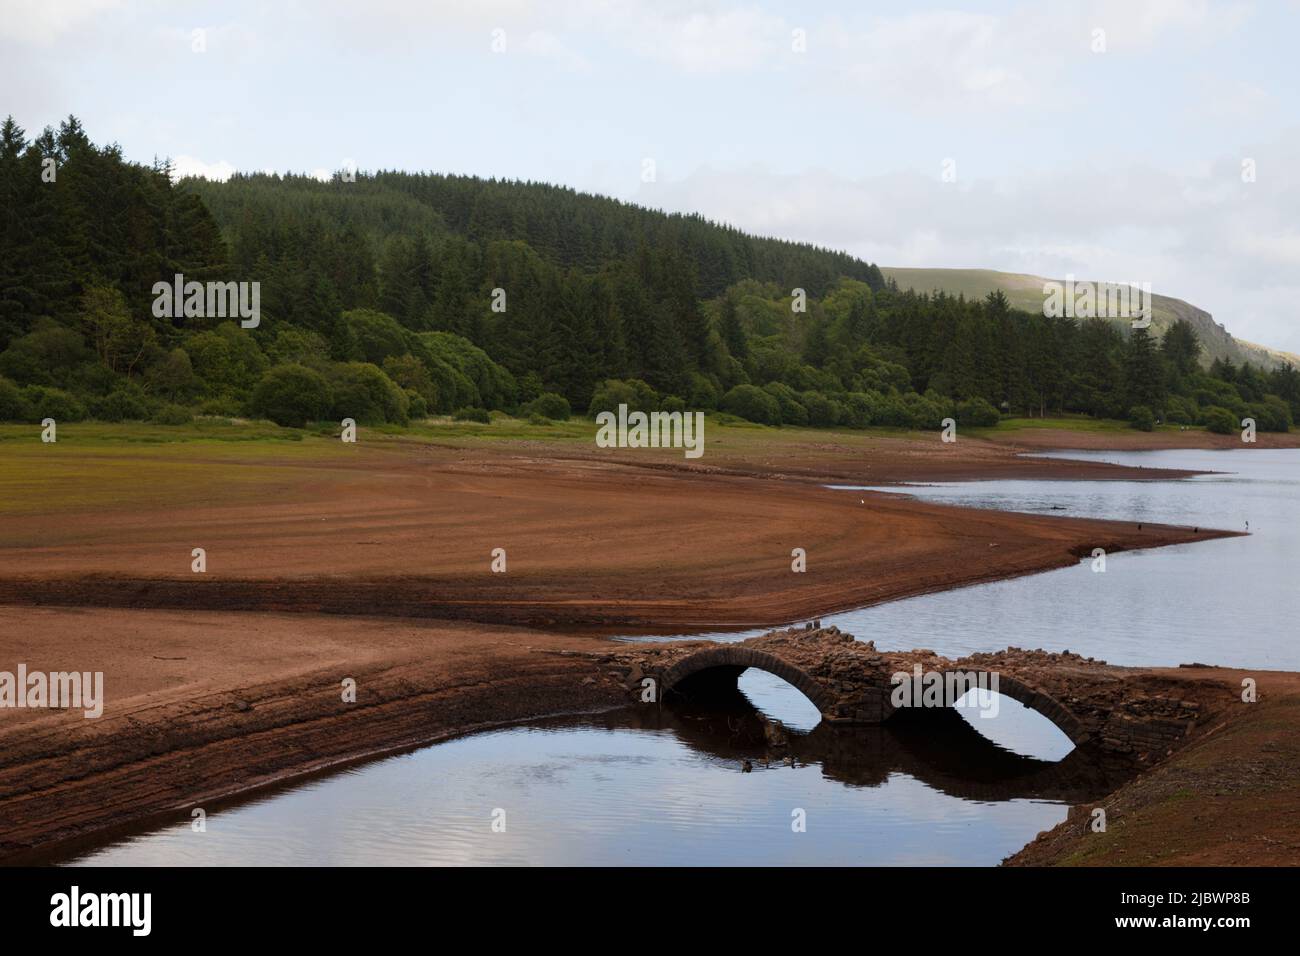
(219, 171)
(1226, 246)
(542, 43)
(1135, 25)
(41, 22)
(934, 59)
(711, 41)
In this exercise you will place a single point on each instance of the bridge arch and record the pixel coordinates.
(737, 657)
(1034, 699)
(842, 703)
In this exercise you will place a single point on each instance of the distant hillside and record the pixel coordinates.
(1026, 292)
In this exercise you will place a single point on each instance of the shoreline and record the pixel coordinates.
(186, 726)
(64, 850)
(166, 752)
(1229, 797)
(548, 604)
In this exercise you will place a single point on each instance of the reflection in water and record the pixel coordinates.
(937, 747)
(709, 782)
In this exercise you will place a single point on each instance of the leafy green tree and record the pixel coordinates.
(418, 408)
(412, 375)
(298, 347)
(823, 412)
(792, 411)
(376, 336)
(1271, 415)
(1142, 418)
(1219, 420)
(227, 359)
(119, 341)
(47, 355)
(753, 404)
(172, 414)
(977, 412)
(361, 391)
(41, 403)
(634, 393)
(1180, 410)
(292, 395)
(125, 403)
(861, 409)
(464, 373)
(173, 378)
(548, 405)
(13, 408)
(703, 392)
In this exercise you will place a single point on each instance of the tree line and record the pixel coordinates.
(391, 296)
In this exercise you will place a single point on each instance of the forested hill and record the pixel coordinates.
(398, 295)
(565, 227)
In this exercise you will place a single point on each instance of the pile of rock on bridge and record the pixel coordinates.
(1136, 712)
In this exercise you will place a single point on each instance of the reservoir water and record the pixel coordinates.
(678, 786)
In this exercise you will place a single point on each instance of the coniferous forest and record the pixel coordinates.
(392, 296)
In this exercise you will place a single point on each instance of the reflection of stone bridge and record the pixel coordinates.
(945, 752)
(1140, 713)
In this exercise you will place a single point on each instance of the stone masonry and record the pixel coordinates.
(1134, 712)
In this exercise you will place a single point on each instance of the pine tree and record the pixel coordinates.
(1144, 378)
(731, 329)
(1181, 349)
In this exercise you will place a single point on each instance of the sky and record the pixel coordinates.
(1107, 139)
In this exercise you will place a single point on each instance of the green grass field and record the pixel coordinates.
(97, 465)
(238, 435)
(101, 465)
(1074, 423)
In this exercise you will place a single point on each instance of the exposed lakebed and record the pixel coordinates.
(673, 787)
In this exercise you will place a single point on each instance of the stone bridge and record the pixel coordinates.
(1138, 713)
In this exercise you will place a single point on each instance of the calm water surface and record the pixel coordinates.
(670, 787)
(1232, 601)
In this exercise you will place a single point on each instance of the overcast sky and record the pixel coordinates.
(1119, 164)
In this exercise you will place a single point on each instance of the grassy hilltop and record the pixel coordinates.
(1025, 292)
